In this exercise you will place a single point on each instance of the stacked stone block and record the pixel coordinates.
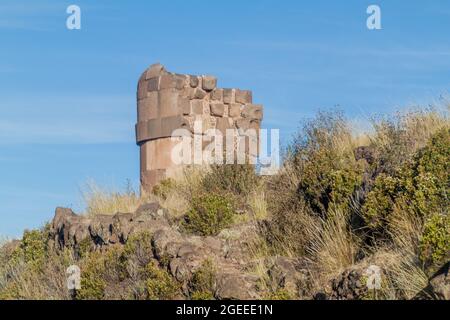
(168, 101)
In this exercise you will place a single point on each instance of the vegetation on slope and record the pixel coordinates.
(339, 202)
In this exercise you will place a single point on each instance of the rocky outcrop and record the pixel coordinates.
(70, 230)
(290, 274)
(439, 286)
(181, 253)
(349, 285)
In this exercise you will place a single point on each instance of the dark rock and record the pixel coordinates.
(236, 286)
(290, 274)
(365, 153)
(349, 285)
(440, 283)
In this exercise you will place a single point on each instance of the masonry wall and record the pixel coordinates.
(167, 101)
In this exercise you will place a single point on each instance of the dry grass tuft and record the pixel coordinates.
(101, 200)
(333, 247)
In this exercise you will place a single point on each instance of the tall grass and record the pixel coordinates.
(307, 211)
(333, 247)
(102, 200)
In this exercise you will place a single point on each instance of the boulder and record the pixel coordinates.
(290, 274)
(209, 83)
(349, 285)
(69, 230)
(440, 283)
(237, 286)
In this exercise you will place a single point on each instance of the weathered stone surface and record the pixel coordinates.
(183, 254)
(350, 285)
(198, 106)
(170, 124)
(440, 283)
(217, 109)
(142, 88)
(223, 124)
(148, 107)
(198, 94)
(252, 111)
(246, 124)
(160, 128)
(173, 81)
(217, 95)
(169, 101)
(153, 84)
(151, 178)
(150, 129)
(243, 96)
(154, 71)
(238, 242)
(228, 96)
(69, 229)
(163, 148)
(209, 83)
(232, 286)
(290, 274)
(184, 105)
(194, 81)
(235, 110)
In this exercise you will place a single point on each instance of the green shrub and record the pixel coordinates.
(280, 294)
(429, 177)
(130, 268)
(380, 201)
(203, 282)
(323, 157)
(209, 215)
(139, 249)
(93, 284)
(159, 284)
(421, 187)
(33, 248)
(100, 270)
(84, 247)
(435, 242)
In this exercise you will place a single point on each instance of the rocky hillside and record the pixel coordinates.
(348, 217)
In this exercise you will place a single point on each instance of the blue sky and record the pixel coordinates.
(67, 98)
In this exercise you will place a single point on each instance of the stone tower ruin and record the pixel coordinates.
(167, 101)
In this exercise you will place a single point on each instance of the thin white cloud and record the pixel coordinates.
(67, 120)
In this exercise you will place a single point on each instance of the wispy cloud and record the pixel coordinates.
(67, 120)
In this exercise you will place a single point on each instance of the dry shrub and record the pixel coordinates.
(402, 277)
(21, 280)
(101, 200)
(398, 138)
(319, 176)
(404, 272)
(333, 248)
(257, 202)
